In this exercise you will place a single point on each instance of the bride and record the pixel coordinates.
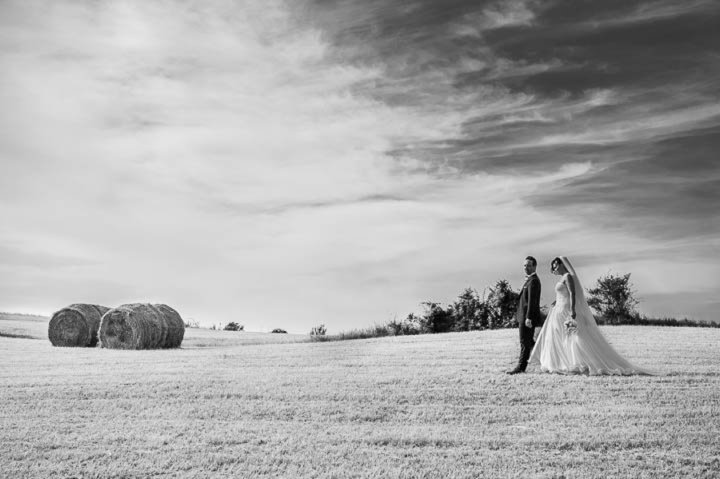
(570, 341)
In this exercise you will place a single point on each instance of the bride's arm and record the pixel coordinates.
(571, 287)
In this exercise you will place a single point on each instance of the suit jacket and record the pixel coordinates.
(529, 302)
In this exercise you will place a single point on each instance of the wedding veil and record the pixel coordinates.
(582, 309)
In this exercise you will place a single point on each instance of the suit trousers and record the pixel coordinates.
(526, 344)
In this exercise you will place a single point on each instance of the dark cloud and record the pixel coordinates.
(408, 38)
(670, 190)
(608, 53)
(592, 44)
(619, 84)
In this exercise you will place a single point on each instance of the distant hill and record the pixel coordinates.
(30, 326)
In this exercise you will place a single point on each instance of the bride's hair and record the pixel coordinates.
(554, 261)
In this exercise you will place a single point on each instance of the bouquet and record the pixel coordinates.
(570, 326)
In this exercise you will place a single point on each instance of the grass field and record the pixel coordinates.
(236, 404)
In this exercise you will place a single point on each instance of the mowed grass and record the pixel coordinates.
(435, 406)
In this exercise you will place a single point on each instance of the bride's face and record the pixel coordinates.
(557, 267)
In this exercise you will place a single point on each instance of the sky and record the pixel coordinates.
(285, 164)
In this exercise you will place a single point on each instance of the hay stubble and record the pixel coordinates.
(426, 406)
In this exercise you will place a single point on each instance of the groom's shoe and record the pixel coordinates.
(517, 370)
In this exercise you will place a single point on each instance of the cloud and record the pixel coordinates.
(638, 129)
(511, 13)
(656, 11)
(186, 156)
(283, 164)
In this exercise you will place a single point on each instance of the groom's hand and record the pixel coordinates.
(528, 323)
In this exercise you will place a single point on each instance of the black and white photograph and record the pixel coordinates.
(359, 239)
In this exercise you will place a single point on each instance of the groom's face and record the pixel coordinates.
(528, 267)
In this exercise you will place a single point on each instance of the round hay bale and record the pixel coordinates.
(76, 325)
(141, 326)
(175, 326)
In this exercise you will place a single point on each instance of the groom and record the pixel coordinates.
(528, 313)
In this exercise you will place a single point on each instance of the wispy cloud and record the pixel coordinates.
(655, 11)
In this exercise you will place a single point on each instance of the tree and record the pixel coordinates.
(468, 311)
(436, 319)
(613, 298)
(233, 326)
(502, 303)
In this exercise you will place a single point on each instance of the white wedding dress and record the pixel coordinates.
(583, 350)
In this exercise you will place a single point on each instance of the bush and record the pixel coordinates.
(613, 296)
(318, 330)
(685, 322)
(377, 331)
(278, 331)
(191, 323)
(408, 326)
(232, 326)
(614, 299)
(436, 319)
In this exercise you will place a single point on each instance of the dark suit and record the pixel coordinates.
(528, 307)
